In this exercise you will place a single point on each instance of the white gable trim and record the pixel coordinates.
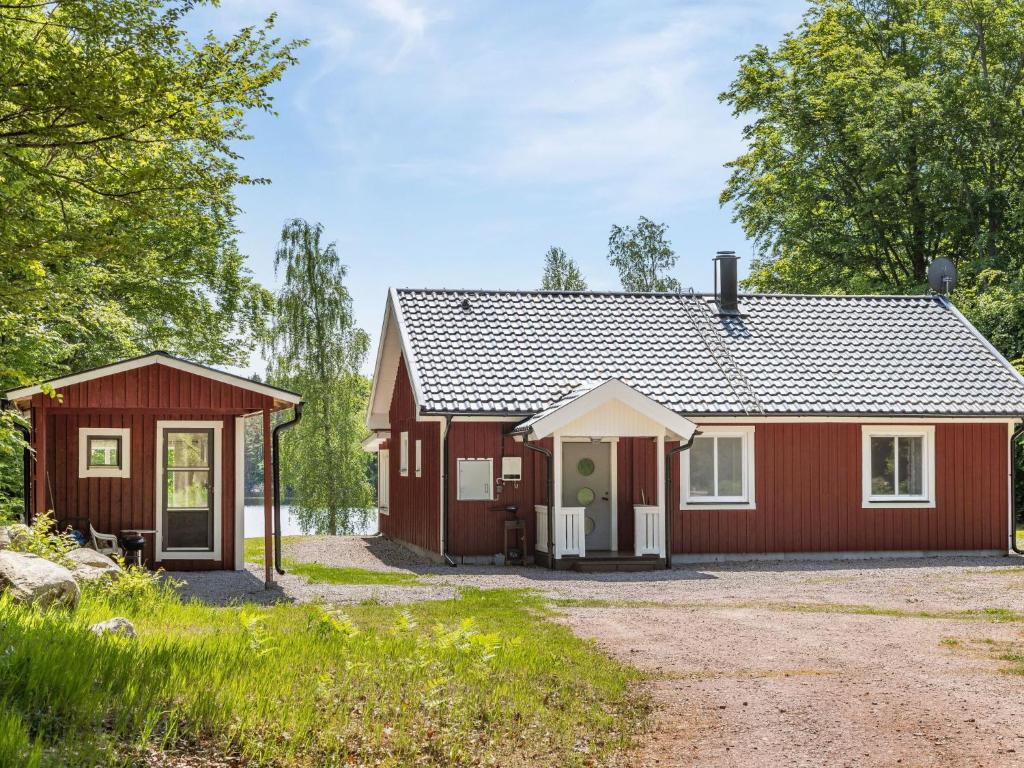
(611, 390)
(377, 414)
(162, 359)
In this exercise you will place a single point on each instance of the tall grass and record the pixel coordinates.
(483, 679)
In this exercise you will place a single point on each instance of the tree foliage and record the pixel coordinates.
(884, 134)
(561, 273)
(118, 158)
(643, 256)
(315, 348)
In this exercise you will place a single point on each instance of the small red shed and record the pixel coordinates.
(154, 443)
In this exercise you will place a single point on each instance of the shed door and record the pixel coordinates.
(189, 490)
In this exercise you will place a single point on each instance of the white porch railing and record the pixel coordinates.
(570, 536)
(648, 530)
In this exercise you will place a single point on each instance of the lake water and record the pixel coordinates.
(289, 527)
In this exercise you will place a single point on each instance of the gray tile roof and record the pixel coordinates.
(520, 352)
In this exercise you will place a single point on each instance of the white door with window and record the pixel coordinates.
(188, 490)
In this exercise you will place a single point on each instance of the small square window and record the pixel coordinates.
(104, 451)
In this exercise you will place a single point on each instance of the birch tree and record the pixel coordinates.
(315, 348)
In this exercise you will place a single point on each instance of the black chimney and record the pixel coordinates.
(726, 283)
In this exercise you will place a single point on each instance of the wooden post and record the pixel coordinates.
(39, 425)
(268, 478)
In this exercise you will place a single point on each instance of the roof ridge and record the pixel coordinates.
(666, 294)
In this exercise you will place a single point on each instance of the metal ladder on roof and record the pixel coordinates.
(700, 316)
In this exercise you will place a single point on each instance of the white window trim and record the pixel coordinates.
(383, 481)
(419, 458)
(925, 501)
(218, 491)
(84, 470)
(746, 500)
(458, 479)
(403, 454)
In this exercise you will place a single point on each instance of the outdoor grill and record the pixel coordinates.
(133, 544)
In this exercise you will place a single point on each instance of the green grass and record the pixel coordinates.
(483, 679)
(315, 573)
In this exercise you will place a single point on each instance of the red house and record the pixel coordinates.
(626, 429)
(155, 444)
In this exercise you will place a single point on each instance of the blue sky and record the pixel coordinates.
(449, 144)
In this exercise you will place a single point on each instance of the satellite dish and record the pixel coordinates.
(942, 276)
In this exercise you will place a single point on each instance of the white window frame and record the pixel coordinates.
(490, 480)
(125, 435)
(419, 458)
(743, 501)
(403, 454)
(900, 501)
(384, 481)
(218, 490)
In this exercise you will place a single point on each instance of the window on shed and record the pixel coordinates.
(419, 458)
(403, 454)
(475, 483)
(104, 452)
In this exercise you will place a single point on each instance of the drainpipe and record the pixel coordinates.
(668, 495)
(1014, 480)
(445, 493)
(275, 454)
(26, 464)
(549, 460)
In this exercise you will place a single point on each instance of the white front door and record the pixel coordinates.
(587, 483)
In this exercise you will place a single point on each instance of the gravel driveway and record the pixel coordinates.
(763, 664)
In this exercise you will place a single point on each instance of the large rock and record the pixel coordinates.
(88, 564)
(118, 626)
(31, 579)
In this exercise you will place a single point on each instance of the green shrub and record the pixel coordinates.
(42, 538)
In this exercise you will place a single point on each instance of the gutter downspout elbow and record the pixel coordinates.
(275, 453)
(668, 495)
(550, 464)
(1015, 511)
(448, 559)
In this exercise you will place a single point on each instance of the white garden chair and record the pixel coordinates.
(104, 543)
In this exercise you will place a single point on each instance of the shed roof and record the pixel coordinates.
(519, 352)
(283, 396)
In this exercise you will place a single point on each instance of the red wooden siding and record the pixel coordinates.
(136, 400)
(415, 502)
(474, 527)
(808, 496)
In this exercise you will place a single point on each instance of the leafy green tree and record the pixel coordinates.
(315, 348)
(561, 273)
(883, 134)
(642, 255)
(118, 159)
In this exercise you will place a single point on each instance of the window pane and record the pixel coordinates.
(103, 452)
(911, 466)
(702, 467)
(188, 528)
(730, 466)
(188, 488)
(883, 466)
(188, 449)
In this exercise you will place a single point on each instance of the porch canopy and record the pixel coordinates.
(598, 412)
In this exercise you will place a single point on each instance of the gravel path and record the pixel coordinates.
(967, 583)
(759, 664)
